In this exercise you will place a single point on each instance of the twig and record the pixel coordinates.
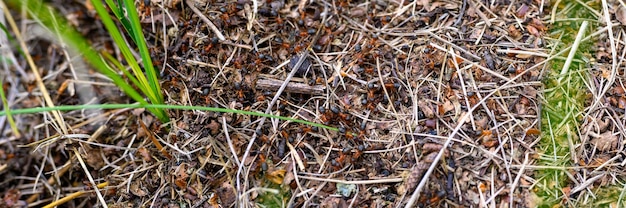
(363, 182)
(475, 57)
(72, 196)
(572, 52)
(205, 19)
(459, 19)
(154, 140)
(267, 111)
(295, 68)
(95, 187)
(230, 142)
(292, 87)
(609, 27)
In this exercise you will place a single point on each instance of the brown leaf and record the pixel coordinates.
(214, 127)
(445, 107)
(426, 109)
(537, 23)
(227, 194)
(532, 30)
(605, 141)
(94, 158)
(488, 141)
(135, 188)
(431, 147)
(181, 176)
(334, 202)
(514, 32)
(145, 154)
(621, 103)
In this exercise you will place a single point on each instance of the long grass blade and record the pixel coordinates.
(162, 106)
(136, 31)
(48, 18)
(7, 110)
(149, 83)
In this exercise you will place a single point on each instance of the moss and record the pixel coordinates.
(562, 113)
(564, 101)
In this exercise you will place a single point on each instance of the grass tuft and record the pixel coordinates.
(147, 84)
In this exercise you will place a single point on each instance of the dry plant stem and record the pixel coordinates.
(292, 87)
(95, 187)
(458, 48)
(57, 115)
(154, 140)
(72, 196)
(364, 182)
(572, 52)
(420, 186)
(230, 142)
(205, 19)
(472, 63)
(67, 165)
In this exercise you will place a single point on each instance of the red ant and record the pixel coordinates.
(239, 91)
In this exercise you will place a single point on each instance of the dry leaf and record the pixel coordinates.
(94, 158)
(426, 109)
(214, 201)
(532, 30)
(145, 154)
(514, 32)
(181, 177)
(334, 202)
(135, 188)
(227, 194)
(606, 141)
(621, 103)
(445, 107)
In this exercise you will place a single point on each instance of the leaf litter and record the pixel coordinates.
(395, 77)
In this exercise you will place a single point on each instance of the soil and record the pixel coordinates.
(409, 85)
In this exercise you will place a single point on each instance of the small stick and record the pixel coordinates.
(154, 140)
(206, 20)
(361, 182)
(72, 196)
(292, 87)
(95, 187)
(572, 52)
(230, 142)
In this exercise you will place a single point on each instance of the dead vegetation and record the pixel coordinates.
(436, 105)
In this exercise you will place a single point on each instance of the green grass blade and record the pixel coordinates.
(49, 18)
(7, 111)
(117, 37)
(46, 16)
(143, 51)
(121, 67)
(118, 11)
(150, 87)
(161, 106)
